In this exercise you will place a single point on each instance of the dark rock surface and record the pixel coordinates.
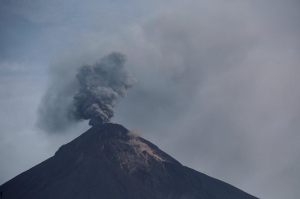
(109, 162)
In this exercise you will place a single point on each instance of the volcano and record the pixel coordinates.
(110, 162)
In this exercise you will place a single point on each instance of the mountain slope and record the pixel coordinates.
(109, 162)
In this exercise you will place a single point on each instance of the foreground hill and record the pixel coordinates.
(109, 162)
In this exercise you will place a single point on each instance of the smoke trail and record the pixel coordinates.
(100, 85)
(91, 96)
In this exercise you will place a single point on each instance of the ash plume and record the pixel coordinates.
(91, 94)
(100, 86)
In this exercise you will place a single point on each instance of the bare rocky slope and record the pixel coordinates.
(109, 162)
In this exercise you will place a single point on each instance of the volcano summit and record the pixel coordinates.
(109, 162)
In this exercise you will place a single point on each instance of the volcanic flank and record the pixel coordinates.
(110, 162)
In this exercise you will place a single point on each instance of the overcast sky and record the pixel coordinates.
(218, 81)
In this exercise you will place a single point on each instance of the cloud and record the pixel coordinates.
(228, 90)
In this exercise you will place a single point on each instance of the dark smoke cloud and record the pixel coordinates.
(100, 86)
(91, 96)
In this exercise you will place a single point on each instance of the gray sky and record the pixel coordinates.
(218, 81)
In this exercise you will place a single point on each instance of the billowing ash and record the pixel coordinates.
(91, 96)
(100, 86)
